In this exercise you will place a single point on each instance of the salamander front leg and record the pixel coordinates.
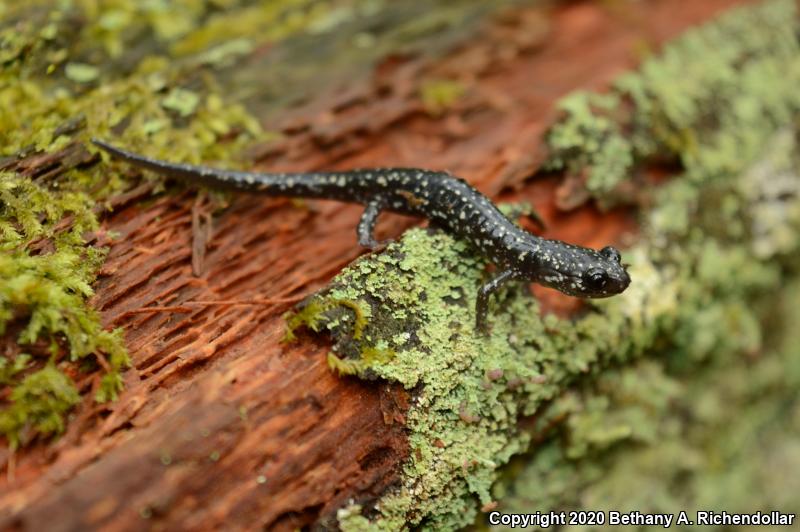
(366, 226)
(482, 302)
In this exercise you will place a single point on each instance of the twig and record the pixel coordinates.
(186, 306)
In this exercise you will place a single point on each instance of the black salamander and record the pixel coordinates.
(445, 200)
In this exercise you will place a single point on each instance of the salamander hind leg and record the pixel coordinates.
(366, 226)
(482, 301)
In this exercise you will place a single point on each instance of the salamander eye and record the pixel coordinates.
(611, 253)
(595, 278)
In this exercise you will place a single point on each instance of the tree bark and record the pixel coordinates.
(220, 423)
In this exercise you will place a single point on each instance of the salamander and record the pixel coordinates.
(445, 200)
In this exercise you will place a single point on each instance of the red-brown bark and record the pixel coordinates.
(221, 424)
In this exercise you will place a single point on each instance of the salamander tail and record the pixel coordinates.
(198, 174)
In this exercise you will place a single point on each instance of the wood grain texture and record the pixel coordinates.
(222, 425)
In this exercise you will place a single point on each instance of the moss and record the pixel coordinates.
(438, 95)
(360, 366)
(39, 403)
(9, 368)
(81, 72)
(182, 101)
(317, 313)
(309, 315)
(711, 260)
(76, 78)
(48, 291)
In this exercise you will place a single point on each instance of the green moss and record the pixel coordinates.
(360, 366)
(9, 368)
(54, 93)
(39, 403)
(438, 95)
(81, 72)
(309, 315)
(48, 292)
(333, 313)
(707, 268)
(182, 101)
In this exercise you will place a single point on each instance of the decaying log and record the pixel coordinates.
(221, 424)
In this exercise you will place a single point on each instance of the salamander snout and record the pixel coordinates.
(606, 277)
(604, 281)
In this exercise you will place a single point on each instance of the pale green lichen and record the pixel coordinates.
(704, 102)
(709, 423)
(664, 436)
(645, 372)
(589, 140)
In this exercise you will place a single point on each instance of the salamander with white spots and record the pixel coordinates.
(447, 201)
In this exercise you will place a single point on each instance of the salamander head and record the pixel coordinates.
(578, 271)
